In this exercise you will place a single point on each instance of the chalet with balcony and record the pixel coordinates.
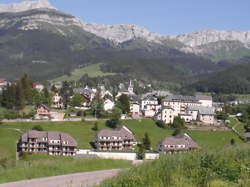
(119, 139)
(181, 142)
(43, 112)
(47, 142)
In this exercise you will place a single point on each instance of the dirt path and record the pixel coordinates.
(86, 179)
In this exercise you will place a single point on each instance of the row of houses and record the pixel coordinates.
(121, 139)
(190, 108)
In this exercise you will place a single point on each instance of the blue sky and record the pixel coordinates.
(161, 16)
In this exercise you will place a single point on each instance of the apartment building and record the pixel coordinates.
(47, 142)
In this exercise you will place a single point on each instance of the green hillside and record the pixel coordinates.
(91, 70)
(223, 168)
(84, 135)
(235, 79)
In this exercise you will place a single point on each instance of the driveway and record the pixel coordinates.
(86, 179)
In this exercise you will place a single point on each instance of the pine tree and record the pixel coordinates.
(141, 152)
(146, 142)
(46, 97)
(20, 99)
(66, 91)
(26, 84)
(123, 104)
(115, 117)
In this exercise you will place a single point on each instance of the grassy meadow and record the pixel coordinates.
(84, 135)
(42, 166)
(92, 71)
(228, 167)
(36, 166)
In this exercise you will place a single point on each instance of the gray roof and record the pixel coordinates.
(150, 98)
(202, 110)
(166, 107)
(181, 139)
(182, 98)
(83, 91)
(45, 106)
(247, 134)
(122, 132)
(204, 97)
(50, 135)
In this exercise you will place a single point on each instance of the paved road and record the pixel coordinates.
(86, 179)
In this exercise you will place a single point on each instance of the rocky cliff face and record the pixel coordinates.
(34, 15)
(210, 36)
(26, 5)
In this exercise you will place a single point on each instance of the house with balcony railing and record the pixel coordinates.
(47, 142)
(119, 139)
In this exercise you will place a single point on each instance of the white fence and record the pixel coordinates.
(115, 155)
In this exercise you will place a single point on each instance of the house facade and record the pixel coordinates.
(118, 139)
(57, 101)
(180, 103)
(150, 106)
(39, 87)
(205, 100)
(108, 104)
(43, 112)
(202, 114)
(3, 82)
(189, 108)
(47, 142)
(181, 142)
(166, 114)
(134, 108)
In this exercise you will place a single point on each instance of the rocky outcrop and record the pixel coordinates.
(26, 5)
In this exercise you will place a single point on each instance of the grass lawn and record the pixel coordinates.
(234, 122)
(92, 71)
(43, 165)
(84, 135)
(37, 166)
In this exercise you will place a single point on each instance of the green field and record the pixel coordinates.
(41, 166)
(238, 126)
(227, 167)
(92, 71)
(36, 166)
(84, 135)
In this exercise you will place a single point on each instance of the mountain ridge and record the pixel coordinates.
(199, 43)
(26, 5)
(48, 43)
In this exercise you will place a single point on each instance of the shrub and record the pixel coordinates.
(146, 142)
(232, 141)
(176, 132)
(95, 128)
(160, 124)
(37, 128)
(141, 152)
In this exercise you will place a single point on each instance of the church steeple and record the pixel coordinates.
(131, 87)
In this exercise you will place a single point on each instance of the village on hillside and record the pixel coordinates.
(62, 101)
